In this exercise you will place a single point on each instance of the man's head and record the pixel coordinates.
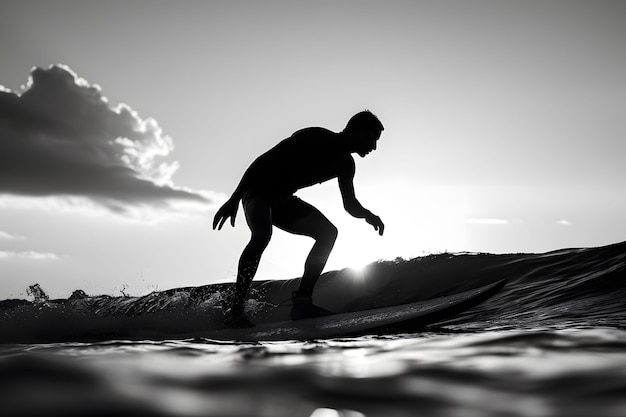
(362, 132)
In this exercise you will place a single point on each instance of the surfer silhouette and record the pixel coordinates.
(266, 190)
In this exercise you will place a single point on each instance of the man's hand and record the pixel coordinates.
(375, 221)
(229, 209)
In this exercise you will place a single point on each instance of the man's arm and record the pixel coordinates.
(231, 206)
(351, 204)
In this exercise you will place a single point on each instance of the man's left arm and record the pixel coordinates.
(350, 202)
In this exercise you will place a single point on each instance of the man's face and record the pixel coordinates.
(367, 143)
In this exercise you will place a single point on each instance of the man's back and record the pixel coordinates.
(309, 156)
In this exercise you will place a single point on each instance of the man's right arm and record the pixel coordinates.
(231, 206)
(247, 182)
(264, 167)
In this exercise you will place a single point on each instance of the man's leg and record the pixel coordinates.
(296, 216)
(259, 218)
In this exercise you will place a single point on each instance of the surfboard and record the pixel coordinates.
(417, 315)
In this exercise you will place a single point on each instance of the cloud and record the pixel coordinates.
(28, 255)
(487, 221)
(8, 236)
(564, 222)
(61, 138)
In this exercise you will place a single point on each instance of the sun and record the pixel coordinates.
(355, 259)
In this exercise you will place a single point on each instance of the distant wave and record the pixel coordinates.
(582, 287)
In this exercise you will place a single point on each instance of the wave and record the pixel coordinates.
(568, 287)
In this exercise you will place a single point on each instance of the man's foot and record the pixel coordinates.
(303, 307)
(238, 321)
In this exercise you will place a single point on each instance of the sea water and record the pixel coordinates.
(551, 343)
(567, 371)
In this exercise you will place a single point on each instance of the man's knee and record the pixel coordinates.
(328, 235)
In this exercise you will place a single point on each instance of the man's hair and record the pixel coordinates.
(364, 121)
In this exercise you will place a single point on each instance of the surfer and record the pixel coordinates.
(310, 156)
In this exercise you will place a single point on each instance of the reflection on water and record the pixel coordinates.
(533, 372)
(329, 412)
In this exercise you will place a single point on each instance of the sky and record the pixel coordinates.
(125, 124)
